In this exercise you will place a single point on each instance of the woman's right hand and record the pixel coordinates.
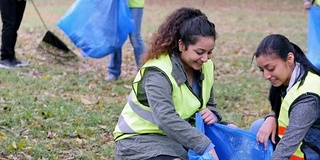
(307, 5)
(268, 128)
(214, 154)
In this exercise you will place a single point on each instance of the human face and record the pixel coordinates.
(196, 54)
(275, 69)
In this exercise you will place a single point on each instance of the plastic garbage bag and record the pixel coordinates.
(97, 27)
(233, 143)
(314, 36)
(193, 155)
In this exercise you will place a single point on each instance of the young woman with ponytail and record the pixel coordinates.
(294, 97)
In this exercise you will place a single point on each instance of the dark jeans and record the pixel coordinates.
(11, 15)
(311, 144)
(115, 60)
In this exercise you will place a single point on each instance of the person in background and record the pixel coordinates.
(307, 3)
(174, 82)
(11, 15)
(294, 97)
(114, 67)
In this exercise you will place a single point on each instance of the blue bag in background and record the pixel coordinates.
(314, 36)
(233, 143)
(97, 27)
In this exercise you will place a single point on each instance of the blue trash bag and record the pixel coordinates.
(97, 27)
(233, 143)
(314, 36)
(193, 155)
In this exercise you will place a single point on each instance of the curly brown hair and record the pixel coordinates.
(178, 25)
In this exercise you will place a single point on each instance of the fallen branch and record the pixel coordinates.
(8, 130)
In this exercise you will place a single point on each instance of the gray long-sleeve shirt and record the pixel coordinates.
(156, 91)
(302, 115)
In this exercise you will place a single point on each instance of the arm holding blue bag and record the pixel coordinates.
(174, 82)
(294, 97)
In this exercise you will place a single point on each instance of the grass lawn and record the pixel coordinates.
(63, 109)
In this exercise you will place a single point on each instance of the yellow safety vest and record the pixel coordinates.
(136, 118)
(136, 3)
(311, 85)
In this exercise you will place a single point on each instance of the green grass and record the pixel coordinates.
(65, 110)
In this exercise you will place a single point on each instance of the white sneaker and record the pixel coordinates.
(18, 63)
(111, 78)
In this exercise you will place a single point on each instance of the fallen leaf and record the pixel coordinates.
(85, 101)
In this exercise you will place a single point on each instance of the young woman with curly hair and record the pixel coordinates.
(174, 82)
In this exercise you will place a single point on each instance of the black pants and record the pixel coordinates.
(11, 15)
(163, 157)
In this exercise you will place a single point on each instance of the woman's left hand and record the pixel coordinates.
(267, 129)
(208, 117)
(232, 125)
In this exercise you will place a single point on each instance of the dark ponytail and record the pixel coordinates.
(303, 60)
(275, 96)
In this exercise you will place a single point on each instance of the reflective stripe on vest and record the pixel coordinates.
(293, 94)
(123, 126)
(137, 119)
